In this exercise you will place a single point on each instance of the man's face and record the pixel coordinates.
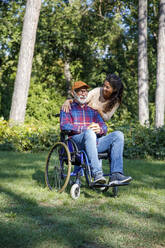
(81, 95)
(82, 91)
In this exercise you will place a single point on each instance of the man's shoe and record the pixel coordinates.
(99, 179)
(118, 178)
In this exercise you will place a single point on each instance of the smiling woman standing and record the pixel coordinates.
(105, 99)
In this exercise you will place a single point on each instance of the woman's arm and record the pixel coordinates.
(107, 116)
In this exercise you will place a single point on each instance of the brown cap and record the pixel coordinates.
(78, 85)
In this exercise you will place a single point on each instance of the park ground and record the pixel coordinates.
(31, 216)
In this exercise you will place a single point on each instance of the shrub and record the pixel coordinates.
(43, 104)
(27, 137)
(143, 142)
(140, 142)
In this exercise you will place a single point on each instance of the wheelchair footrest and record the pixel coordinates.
(111, 184)
(98, 185)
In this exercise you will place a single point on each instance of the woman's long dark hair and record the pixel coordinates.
(116, 96)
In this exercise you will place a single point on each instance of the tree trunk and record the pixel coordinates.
(68, 76)
(22, 82)
(143, 64)
(160, 89)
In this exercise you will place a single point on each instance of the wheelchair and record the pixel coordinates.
(66, 165)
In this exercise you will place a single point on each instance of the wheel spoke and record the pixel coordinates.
(58, 167)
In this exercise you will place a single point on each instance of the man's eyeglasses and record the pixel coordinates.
(82, 91)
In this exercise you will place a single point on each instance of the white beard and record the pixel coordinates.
(81, 100)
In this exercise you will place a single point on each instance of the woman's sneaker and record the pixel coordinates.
(118, 178)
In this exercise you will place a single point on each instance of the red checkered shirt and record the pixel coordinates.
(79, 118)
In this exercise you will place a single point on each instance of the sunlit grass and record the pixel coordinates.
(32, 216)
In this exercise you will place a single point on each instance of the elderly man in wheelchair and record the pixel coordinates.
(86, 132)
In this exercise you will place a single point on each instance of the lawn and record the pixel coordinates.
(33, 217)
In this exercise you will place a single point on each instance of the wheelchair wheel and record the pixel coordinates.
(58, 167)
(75, 191)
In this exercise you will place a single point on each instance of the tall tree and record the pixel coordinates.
(143, 64)
(22, 82)
(160, 89)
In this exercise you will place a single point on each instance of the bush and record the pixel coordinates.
(140, 142)
(43, 104)
(27, 137)
(143, 142)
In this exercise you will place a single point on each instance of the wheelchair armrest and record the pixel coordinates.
(64, 135)
(65, 132)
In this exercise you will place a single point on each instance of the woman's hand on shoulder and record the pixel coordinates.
(66, 105)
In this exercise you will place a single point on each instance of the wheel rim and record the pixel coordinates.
(75, 191)
(58, 167)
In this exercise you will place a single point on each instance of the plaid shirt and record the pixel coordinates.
(79, 118)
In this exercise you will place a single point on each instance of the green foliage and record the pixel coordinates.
(27, 137)
(140, 142)
(43, 104)
(11, 16)
(95, 37)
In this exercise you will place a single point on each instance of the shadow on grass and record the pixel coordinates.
(20, 165)
(44, 224)
(30, 224)
(39, 176)
(146, 174)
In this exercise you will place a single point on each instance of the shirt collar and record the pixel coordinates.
(78, 104)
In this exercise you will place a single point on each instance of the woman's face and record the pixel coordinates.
(107, 90)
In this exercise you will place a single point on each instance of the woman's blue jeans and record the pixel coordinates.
(114, 141)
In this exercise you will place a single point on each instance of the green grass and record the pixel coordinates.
(33, 217)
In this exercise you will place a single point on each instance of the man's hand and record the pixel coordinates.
(95, 127)
(66, 106)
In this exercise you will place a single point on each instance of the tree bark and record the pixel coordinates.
(143, 64)
(160, 89)
(22, 82)
(68, 76)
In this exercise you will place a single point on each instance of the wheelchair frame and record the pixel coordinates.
(58, 171)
